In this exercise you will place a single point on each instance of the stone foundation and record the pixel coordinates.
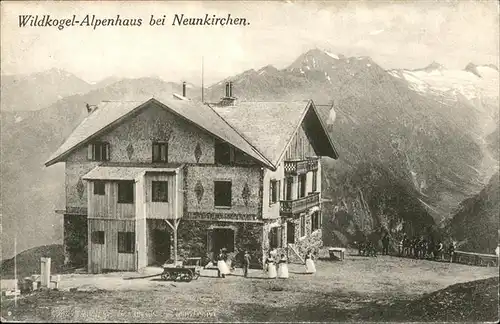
(193, 240)
(313, 241)
(310, 241)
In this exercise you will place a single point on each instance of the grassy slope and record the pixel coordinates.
(28, 262)
(462, 302)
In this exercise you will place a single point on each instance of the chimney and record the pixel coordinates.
(228, 90)
(184, 89)
(228, 99)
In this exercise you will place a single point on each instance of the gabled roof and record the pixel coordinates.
(263, 130)
(270, 126)
(112, 113)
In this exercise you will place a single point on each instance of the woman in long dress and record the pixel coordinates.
(310, 267)
(271, 267)
(283, 268)
(222, 267)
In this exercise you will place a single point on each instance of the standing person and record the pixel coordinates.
(246, 263)
(310, 268)
(222, 268)
(451, 250)
(401, 245)
(406, 245)
(439, 251)
(271, 267)
(431, 247)
(385, 244)
(282, 267)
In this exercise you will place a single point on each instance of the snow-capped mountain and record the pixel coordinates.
(475, 83)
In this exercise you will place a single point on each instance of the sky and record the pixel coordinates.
(399, 34)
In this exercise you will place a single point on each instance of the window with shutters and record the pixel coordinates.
(125, 192)
(99, 187)
(160, 152)
(98, 151)
(302, 225)
(275, 238)
(302, 186)
(274, 191)
(159, 191)
(315, 181)
(288, 188)
(224, 153)
(315, 221)
(222, 194)
(126, 242)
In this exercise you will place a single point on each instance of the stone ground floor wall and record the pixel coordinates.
(75, 240)
(309, 241)
(194, 240)
(312, 240)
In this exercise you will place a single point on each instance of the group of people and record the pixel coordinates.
(422, 248)
(278, 267)
(273, 263)
(275, 267)
(418, 247)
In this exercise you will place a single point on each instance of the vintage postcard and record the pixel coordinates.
(256, 161)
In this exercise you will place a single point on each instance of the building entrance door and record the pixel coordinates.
(290, 232)
(161, 244)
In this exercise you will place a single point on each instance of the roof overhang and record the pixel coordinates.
(317, 127)
(117, 173)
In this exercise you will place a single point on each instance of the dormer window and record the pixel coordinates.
(98, 151)
(160, 152)
(224, 153)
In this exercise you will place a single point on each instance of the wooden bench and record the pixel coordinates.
(339, 250)
(477, 259)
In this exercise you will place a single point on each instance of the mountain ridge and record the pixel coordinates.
(399, 147)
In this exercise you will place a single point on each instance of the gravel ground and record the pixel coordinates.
(358, 289)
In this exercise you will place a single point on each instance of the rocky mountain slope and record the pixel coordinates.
(476, 222)
(43, 89)
(407, 157)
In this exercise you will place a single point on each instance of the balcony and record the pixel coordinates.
(292, 207)
(300, 166)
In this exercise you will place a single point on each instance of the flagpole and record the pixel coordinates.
(15, 269)
(202, 84)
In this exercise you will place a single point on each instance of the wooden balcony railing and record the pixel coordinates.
(300, 167)
(291, 207)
